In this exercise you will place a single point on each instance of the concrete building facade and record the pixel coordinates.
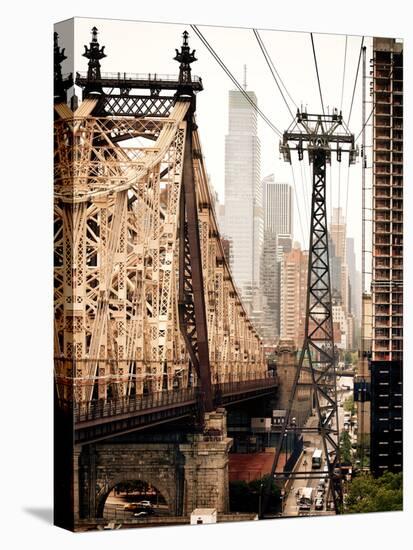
(387, 268)
(293, 293)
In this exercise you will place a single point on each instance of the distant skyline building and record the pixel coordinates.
(293, 294)
(278, 206)
(284, 244)
(220, 212)
(270, 277)
(355, 278)
(278, 220)
(244, 219)
(338, 257)
(338, 232)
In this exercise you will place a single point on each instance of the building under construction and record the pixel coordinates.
(387, 257)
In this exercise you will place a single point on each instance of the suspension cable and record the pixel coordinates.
(253, 104)
(344, 74)
(316, 68)
(235, 81)
(339, 194)
(355, 81)
(305, 194)
(273, 70)
(296, 199)
(347, 188)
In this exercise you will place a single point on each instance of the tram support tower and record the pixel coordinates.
(320, 136)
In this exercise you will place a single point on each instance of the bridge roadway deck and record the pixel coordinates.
(97, 421)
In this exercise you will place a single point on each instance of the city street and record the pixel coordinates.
(115, 507)
(311, 442)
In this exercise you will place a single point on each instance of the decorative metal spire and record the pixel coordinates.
(185, 58)
(94, 53)
(60, 86)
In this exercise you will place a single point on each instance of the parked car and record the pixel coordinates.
(145, 504)
(131, 506)
(319, 504)
(144, 513)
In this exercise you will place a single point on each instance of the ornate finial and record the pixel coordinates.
(94, 53)
(59, 54)
(60, 86)
(185, 58)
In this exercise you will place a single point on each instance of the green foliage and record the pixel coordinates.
(345, 448)
(367, 494)
(363, 452)
(244, 496)
(349, 406)
(133, 486)
(348, 357)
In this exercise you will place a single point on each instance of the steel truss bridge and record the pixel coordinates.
(149, 325)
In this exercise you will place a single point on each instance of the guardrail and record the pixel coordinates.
(151, 77)
(92, 410)
(100, 409)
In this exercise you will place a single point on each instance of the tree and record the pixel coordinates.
(345, 448)
(348, 358)
(367, 494)
(244, 496)
(348, 405)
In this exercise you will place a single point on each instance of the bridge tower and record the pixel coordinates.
(191, 302)
(149, 326)
(319, 135)
(94, 53)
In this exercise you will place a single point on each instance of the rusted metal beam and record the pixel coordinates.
(191, 295)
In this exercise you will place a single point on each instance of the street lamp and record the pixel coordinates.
(260, 499)
(283, 495)
(294, 425)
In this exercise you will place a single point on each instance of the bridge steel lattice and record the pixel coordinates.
(144, 299)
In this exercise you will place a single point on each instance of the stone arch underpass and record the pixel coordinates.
(102, 467)
(188, 475)
(113, 504)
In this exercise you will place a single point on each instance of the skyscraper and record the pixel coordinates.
(278, 206)
(338, 232)
(338, 256)
(354, 276)
(293, 293)
(387, 278)
(278, 219)
(244, 220)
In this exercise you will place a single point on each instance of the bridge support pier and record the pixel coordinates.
(76, 464)
(286, 370)
(206, 482)
(188, 475)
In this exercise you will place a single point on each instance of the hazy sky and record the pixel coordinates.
(150, 47)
